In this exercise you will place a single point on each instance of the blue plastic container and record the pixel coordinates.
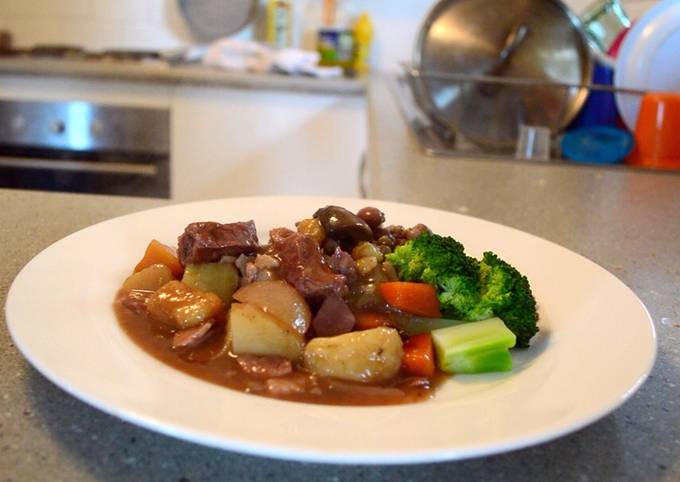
(600, 106)
(597, 144)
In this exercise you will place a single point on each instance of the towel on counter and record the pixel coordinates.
(243, 56)
(231, 54)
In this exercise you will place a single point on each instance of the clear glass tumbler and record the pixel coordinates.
(533, 143)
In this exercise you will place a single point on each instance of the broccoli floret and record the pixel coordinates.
(507, 293)
(441, 261)
(469, 289)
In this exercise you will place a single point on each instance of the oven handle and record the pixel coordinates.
(107, 167)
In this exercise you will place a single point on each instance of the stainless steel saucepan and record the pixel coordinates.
(509, 39)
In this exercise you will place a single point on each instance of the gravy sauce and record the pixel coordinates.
(212, 362)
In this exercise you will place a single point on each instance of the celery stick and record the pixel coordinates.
(415, 325)
(488, 361)
(474, 347)
(219, 278)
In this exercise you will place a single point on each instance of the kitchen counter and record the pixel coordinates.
(157, 71)
(624, 220)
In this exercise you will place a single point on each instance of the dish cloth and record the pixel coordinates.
(245, 56)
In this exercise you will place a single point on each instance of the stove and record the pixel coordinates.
(74, 52)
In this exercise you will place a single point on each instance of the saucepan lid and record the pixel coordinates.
(519, 39)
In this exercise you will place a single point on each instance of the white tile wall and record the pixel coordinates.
(636, 8)
(155, 24)
(95, 23)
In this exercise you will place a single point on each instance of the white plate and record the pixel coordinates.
(595, 348)
(648, 59)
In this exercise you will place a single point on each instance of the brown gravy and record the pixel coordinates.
(211, 362)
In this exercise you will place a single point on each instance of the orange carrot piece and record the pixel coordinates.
(415, 298)
(159, 253)
(419, 355)
(367, 320)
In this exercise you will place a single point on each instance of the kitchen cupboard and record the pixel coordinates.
(228, 141)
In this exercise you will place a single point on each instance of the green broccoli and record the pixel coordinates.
(469, 289)
(442, 262)
(506, 292)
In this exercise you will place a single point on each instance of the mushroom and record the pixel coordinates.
(343, 225)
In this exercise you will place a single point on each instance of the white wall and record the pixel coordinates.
(156, 24)
(95, 23)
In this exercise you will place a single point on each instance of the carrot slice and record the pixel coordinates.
(419, 355)
(415, 298)
(366, 320)
(159, 253)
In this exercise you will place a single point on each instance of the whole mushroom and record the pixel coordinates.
(343, 225)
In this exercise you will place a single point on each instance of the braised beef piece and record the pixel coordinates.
(264, 366)
(333, 318)
(191, 337)
(207, 242)
(284, 387)
(262, 267)
(135, 300)
(303, 265)
(342, 263)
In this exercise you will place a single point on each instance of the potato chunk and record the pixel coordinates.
(362, 356)
(179, 305)
(251, 331)
(279, 299)
(149, 279)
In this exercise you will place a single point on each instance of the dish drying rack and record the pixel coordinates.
(437, 139)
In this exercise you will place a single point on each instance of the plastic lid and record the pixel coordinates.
(597, 144)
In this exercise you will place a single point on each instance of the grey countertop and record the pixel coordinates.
(176, 74)
(624, 220)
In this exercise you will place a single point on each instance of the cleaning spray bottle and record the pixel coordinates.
(363, 36)
(280, 23)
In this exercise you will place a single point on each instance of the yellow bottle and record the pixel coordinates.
(363, 35)
(279, 23)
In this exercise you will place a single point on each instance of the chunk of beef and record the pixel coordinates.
(135, 300)
(342, 263)
(264, 366)
(333, 318)
(283, 387)
(208, 242)
(262, 268)
(303, 265)
(191, 337)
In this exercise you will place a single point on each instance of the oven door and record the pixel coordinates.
(144, 176)
(76, 146)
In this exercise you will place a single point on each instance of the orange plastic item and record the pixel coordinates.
(159, 253)
(367, 320)
(657, 133)
(419, 355)
(415, 298)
